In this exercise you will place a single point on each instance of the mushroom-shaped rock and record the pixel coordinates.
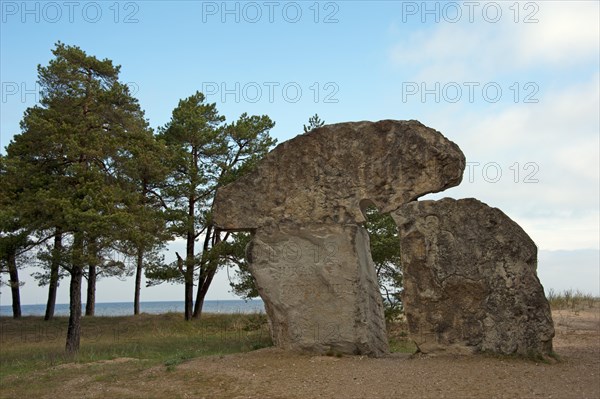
(310, 258)
(326, 175)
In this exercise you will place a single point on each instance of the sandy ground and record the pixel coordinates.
(270, 373)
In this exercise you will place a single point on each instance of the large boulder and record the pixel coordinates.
(307, 195)
(470, 281)
(329, 174)
(320, 288)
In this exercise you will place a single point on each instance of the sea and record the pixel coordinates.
(126, 308)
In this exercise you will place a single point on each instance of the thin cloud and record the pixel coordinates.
(559, 135)
(566, 34)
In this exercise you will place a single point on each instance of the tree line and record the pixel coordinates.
(88, 189)
(87, 179)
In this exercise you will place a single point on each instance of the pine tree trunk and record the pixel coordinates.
(90, 303)
(54, 269)
(189, 279)
(205, 277)
(138, 281)
(189, 295)
(198, 305)
(14, 284)
(189, 262)
(74, 328)
(203, 287)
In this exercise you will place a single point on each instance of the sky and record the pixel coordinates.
(515, 84)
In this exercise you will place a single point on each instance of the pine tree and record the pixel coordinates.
(14, 236)
(248, 141)
(385, 252)
(71, 147)
(204, 154)
(142, 242)
(194, 136)
(314, 122)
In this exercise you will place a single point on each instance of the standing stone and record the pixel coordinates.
(320, 287)
(470, 281)
(305, 199)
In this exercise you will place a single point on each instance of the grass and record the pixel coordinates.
(571, 300)
(31, 344)
(399, 341)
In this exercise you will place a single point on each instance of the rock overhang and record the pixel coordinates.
(322, 176)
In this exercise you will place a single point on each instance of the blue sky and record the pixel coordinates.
(515, 84)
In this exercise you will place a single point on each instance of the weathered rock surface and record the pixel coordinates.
(470, 281)
(325, 175)
(320, 288)
(305, 199)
